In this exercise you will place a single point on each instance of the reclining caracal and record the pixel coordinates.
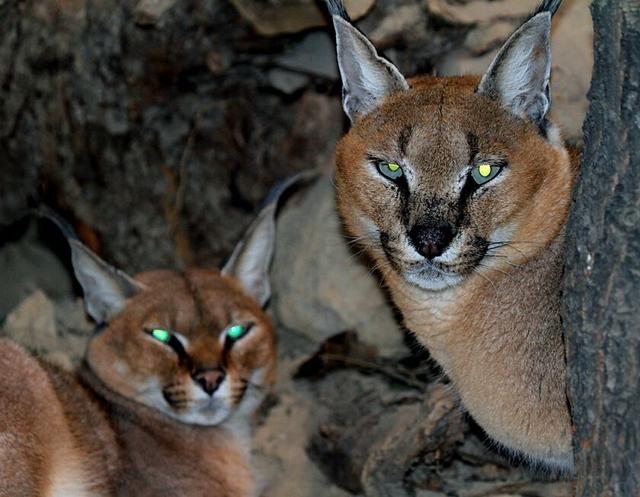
(163, 404)
(459, 190)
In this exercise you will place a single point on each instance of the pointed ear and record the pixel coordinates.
(367, 78)
(105, 287)
(249, 263)
(251, 258)
(519, 75)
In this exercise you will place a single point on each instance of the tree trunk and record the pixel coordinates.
(602, 287)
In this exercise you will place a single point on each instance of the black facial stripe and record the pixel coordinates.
(400, 182)
(384, 243)
(406, 204)
(403, 139)
(176, 345)
(474, 150)
(470, 187)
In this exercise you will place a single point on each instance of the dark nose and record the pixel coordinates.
(209, 379)
(430, 242)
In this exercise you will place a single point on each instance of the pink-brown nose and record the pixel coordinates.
(209, 379)
(431, 242)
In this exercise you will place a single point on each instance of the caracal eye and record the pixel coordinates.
(161, 335)
(484, 172)
(390, 170)
(236, 332)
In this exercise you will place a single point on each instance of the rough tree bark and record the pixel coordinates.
(602, 287)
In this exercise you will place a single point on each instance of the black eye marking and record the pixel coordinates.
(474, 148)
(168, 338)
(404, 138)
(391, 171)
(471, 185)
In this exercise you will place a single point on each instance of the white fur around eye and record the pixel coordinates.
(184, 341)
(374, 172)
(462, 178)
(367, 228)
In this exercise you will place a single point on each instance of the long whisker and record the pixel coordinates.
(505, 244)
(495, 289)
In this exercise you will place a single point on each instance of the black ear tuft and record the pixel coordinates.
(336, 9)
(550, 6)
(367, 78)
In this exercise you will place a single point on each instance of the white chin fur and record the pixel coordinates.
(430, 280)
(206, 410)
(203, 409)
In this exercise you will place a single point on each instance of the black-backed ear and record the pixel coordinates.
(105, 288)
(251, 258)
(519, 75)
(367, 78)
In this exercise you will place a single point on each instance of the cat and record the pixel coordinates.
(458, 188)
(163, 403)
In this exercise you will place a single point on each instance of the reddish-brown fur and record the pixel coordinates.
(86, 434)
(497, 333)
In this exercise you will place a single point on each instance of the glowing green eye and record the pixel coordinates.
(391, 170)
(236, 331)
(162, 335)
(484, 172)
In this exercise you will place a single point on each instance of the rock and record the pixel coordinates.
(400, 21)
(479, 10)
(320, 287)
(291, 16)
(488, 36)
(148, 12)
(400, 434)
(32, 324)
(27, 265)
(55, 331)
(572, 47)
(315, 55)
(59, 359)
(316, 128)
(282, 439)
(287, 81)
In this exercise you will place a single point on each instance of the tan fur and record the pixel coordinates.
(497, 333)
(91, 434)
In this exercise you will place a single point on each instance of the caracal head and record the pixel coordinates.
(195, 345)
(442, 178)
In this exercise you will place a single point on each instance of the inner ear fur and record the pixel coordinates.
(251, 258)
(519, 75)
(105, 287)
(367, 78)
